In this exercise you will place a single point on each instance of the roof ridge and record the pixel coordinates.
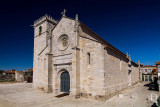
(107, 43)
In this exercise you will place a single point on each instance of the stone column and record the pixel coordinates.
(47, 73)
(49, 56)
(101, 92)
(75, 75)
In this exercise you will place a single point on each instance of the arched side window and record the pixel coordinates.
(40, 30)
(88, 58)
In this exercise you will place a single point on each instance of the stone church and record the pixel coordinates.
(69, 57)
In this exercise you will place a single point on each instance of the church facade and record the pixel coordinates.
(69, 57)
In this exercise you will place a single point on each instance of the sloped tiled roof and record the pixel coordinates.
(10, 71)
(158, 62)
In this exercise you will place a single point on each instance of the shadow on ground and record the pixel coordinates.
(154, 105)
(147, 85)
(152, 86)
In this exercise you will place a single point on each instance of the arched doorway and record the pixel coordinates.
(65, 82)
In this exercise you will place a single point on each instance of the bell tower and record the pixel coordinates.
(42, 32)
(42, 49)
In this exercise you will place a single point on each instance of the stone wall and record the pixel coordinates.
(19, 76)
(135, 74)
(116, 73)
(91, 75)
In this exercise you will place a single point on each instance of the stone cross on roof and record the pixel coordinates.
(64, 13)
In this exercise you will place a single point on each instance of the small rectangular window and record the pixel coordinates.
(40, 30)
(150, 78)
(146, 78)
(146, 70)
(89, 58)
(142, 77)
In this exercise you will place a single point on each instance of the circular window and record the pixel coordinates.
(63, 42)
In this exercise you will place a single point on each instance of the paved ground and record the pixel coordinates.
(23, 95)
(133, 97)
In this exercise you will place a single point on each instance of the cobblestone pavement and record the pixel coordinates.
(23, 95)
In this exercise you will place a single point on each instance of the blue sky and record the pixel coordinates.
(131, 26)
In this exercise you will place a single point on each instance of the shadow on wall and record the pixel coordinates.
(117, 56)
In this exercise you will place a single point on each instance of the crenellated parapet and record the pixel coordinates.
(44, 18)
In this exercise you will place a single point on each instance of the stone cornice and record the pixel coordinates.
(70, 63)
(62, 55)
(48, 54)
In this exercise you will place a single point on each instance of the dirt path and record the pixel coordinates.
(23, 95)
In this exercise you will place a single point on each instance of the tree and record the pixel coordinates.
(2, 71)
